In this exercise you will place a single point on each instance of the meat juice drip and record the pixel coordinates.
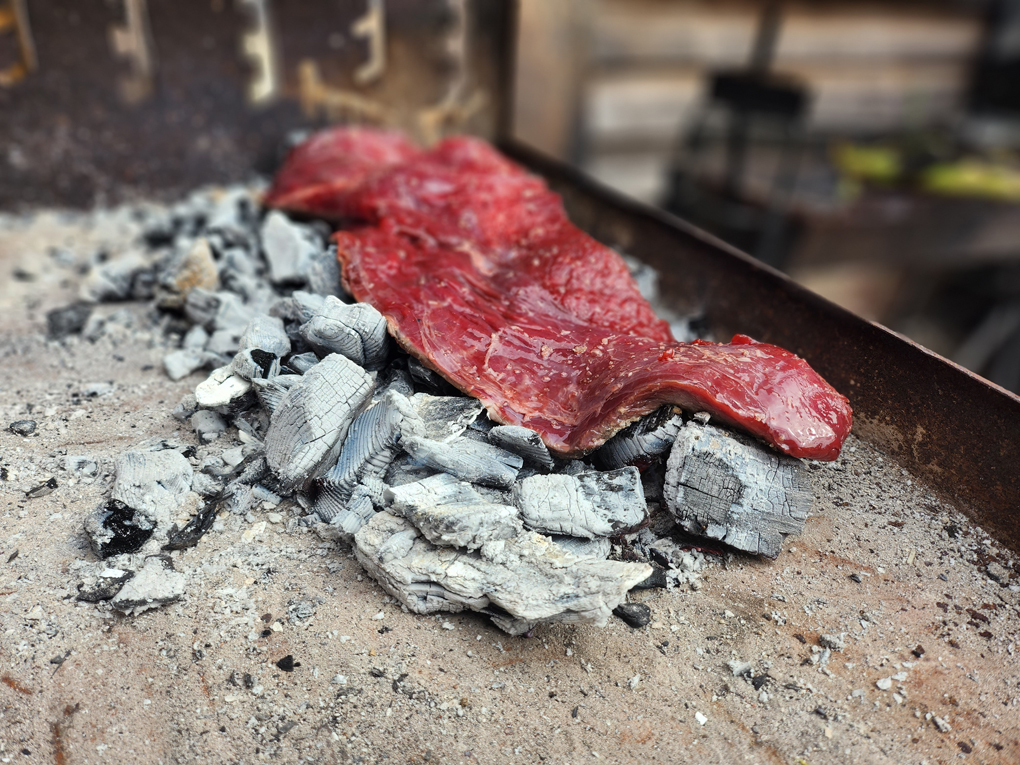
(481, 276)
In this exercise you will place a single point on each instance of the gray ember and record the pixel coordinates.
(22, 427)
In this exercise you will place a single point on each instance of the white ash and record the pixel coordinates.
(154, 484)
(154, 584)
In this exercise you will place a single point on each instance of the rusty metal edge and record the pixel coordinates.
(947, 426)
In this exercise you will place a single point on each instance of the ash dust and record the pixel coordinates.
(199, 680)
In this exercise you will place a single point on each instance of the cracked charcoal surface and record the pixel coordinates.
(310, 424)
(446, 417)
(528, 577)
(466, 459)
(264, 340)
(640, 441)
(728, 488)
(587, 505)
(356, 331)
(522, 441)
(153, 484)
(450, 513)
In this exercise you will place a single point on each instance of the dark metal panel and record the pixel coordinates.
(123, 97)
(943, 423)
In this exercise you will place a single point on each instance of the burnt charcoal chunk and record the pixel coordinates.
(287, 663)
(729, 488)
(194, 530)
(657, 580)
(104, 588)
(112, 531)
(46, 487)
(22, 427)
(69, 320)
(636, 615)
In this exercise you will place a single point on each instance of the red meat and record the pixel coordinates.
(482, 277)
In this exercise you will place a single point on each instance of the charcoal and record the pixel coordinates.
(154, 484)
(640, 441)
(468, 460)
(299, 307)
(405, 470)
(111, 530)
(217, 310)
(526, 580)
(271, 391)
(181, 363)
(43, 489)
(397, 380)
(104, 585)
(450, 513)
(657, 580)
(208, 426)
(446, 417)
(289, 248)
(263, 341)
(155, 584)
(727, 487)
(113, 280)
(233, 212)
(194, 268)
(588, 505)
(599, 547)
(346, 514)
(185, 408)
(429, 381)
(22, 427)
(68, 320)
(302, 362)
(225, 342)
(310, 423)
(369, 448)
(523, 441)
(221, 388)
(323, 272)
(195, 529)
(636, 615)
(357, 331)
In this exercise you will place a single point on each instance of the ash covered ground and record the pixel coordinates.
(884, 633)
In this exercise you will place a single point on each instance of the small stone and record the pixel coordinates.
(941, 724)
(740, 668)
(636, 615)
(22, 427)
(80, 464)
(833, 642)
(46, 487)
(633, 682)
(884, 684)
(700, 718)
(856, 578)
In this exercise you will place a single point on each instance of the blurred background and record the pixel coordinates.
(870, 150)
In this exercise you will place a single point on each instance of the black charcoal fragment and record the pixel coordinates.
(69, 320)
(468, 460)
(112, 530)
(104, 586)
(523, 441)
(428, 381)
(446, 417)
(195, 529)
(636, 615)
(640, 441)
(287, 663)
(727, 487)
(22, 427)
(657, 580)
(42, 489)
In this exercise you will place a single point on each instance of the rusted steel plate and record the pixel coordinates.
(941, 422)
(102, 100)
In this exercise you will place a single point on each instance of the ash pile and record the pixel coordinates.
(308, 403)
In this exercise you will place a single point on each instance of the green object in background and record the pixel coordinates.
(876, 164)
(972, 178)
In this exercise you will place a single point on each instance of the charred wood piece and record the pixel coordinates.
(727, 487)
(526, 580)
(356, 331)
(466, 459)
(641, 441)
(588, 505)
(290, 248)
(310, 424)
(450, 513)
(523, 441)
(446, 417)
(263, 342)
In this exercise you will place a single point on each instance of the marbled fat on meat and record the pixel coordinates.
(482, 277)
